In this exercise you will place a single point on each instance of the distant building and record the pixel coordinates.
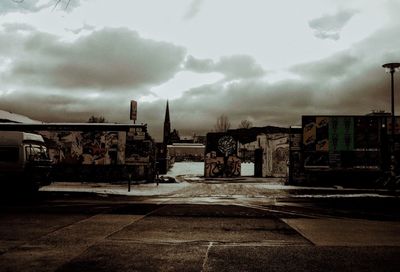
(186, 151)
(178, 148)
(9, 117)
(174, 137)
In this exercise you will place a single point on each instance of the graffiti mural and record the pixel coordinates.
(276, 155)
(227, 145)
(322, 134)
(341, 141)
(221, 156)
(316, 141)
(309, 133)
(233, 166)
(89, 148)
(280, 157)
(214, 166)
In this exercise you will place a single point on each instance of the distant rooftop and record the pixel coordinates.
(9, 117)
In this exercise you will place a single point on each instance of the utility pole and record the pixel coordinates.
(391, 68)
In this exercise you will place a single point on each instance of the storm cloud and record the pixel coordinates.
(108, 59)
(349, 82)
(54, 80)
(99, 70)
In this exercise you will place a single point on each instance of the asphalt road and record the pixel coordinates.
(203, 227)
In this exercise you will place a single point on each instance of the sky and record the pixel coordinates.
(266, 61)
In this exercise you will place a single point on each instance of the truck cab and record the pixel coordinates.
(24, 161)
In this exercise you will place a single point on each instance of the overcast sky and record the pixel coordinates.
(266, 61)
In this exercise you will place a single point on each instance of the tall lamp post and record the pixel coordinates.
(391, 68)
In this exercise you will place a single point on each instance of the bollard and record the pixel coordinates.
(129, 182)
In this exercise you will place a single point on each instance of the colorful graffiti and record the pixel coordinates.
(75, 147)
(341, 141)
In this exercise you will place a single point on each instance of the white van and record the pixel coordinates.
(24, 161)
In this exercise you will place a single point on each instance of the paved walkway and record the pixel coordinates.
(85, 236)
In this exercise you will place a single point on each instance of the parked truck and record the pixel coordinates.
(24, 161)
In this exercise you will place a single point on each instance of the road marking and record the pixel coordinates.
(206, 257)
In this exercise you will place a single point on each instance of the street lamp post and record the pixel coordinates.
(392, 67)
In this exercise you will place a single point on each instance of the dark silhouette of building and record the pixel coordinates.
(167, 127)
(174, 137)
(163, 158)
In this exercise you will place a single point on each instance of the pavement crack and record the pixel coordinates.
(204, 268)
(132, 222)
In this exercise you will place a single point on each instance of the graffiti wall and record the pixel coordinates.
(87, 148)
(296, 170)
(280, 156)
(341, 141)
(221, 156)
(275, 147)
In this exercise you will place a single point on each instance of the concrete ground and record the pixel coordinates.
(197, 226)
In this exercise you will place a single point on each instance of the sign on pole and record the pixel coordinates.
(133, 110)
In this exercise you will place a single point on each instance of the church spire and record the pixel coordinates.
(167, 114)
(167, 126)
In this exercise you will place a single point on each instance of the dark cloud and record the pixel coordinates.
(255, 100)
(336, 67)
(108, 59)
(329, 26)
(233, 67)
(58, 106)
(348, 82)
(98, 74)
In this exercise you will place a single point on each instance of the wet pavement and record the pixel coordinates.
(196, 226)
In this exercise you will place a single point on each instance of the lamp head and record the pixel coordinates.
(391, 67)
